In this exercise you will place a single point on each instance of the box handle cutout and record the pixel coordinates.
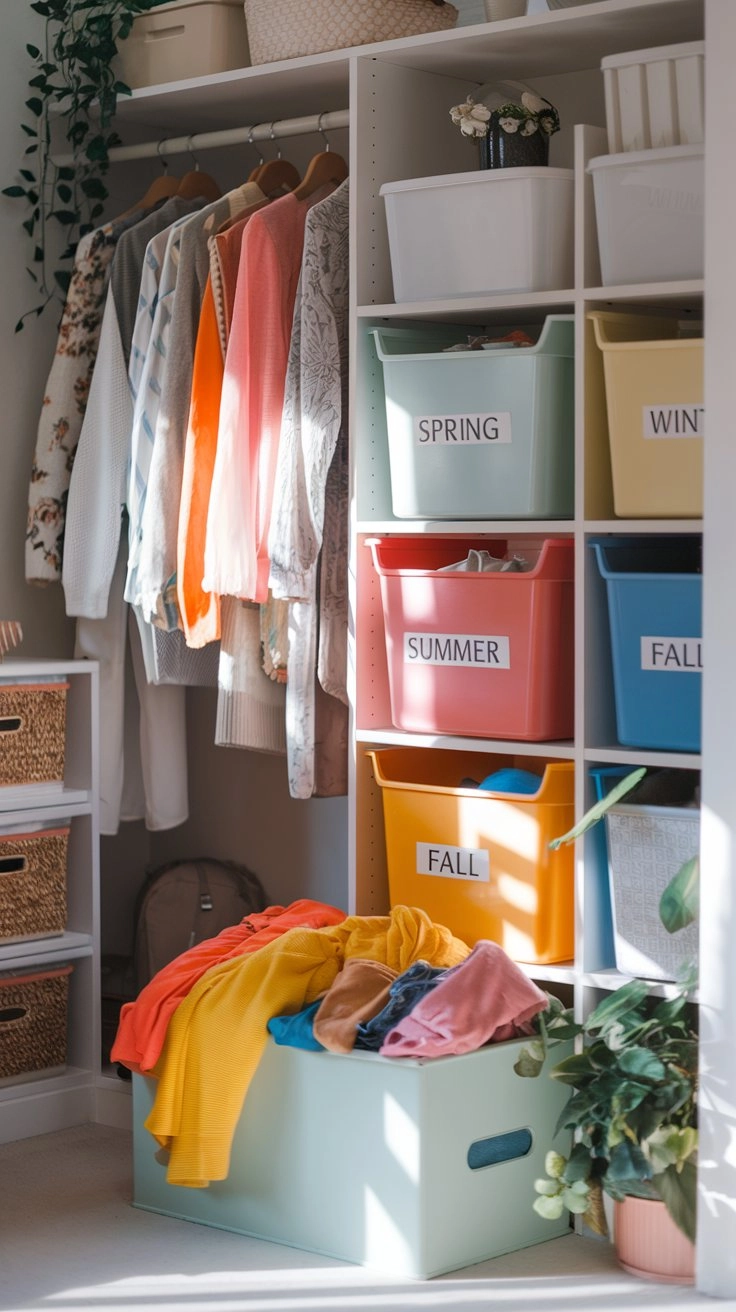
(10, 723)
(499, 1148)
(13, 865)
(164, 32)
(11, 1015)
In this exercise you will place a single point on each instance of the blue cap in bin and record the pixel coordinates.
(510, 780)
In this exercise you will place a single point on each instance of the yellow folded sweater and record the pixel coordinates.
(217, 1034)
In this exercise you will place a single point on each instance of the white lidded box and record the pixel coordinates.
(492, 230)
(186, 38)
(655, 97)
(411, 1167)
(479, 434)
(649, 208)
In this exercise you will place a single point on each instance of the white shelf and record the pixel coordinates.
(610, 980)
(634, 526)
(45, 951)
(469, 527)
(689, 290)
(634, 756)
(469, 309)
(391, 737)
(34, 802)
(562, 972)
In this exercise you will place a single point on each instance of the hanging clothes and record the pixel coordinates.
(95, 520)
(156, 583)
(236, 559)
(199, 609)
(250, 706)
(65, 399)
(309, 522)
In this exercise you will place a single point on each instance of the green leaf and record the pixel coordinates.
(618, 1004)
(33, 51)
(548, 1188)
(66, 174)
(63, 278)
(35, 105)
(550, 1208)
(677, 1189)
(575, 1202)
(578, 1164)
(63, 192)
(680, 902)
(642, 1064)
(14, 191)
(600, 808)
(628, 1162)
(530, 1060)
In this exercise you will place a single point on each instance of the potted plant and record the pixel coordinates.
(633, 1110)
(511, 134)
(74, 90)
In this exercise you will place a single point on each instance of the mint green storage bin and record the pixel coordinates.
(485, 434)
(366, 1158)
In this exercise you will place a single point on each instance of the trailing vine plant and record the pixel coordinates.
(75, 86)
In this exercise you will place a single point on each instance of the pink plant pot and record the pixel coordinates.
(650, 1245)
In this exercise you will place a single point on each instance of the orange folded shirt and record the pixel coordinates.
(143, 1023)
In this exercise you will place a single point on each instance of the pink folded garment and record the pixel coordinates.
(485, 999)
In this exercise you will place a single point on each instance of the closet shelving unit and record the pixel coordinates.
(398, 94)
(39, 1103)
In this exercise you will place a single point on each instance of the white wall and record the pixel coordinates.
(24, 358)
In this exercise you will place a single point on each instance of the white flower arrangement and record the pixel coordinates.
(532, 115)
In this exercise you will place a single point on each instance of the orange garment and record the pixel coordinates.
(199, 610)
(218, 1033)
(144, 1023)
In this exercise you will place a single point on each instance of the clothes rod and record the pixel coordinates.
(284, 127)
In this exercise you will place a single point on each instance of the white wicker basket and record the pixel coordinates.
(647, 845)
(288, 29)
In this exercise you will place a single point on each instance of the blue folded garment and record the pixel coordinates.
(511, 781)
(296, 1031)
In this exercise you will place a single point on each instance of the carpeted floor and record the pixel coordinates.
(70, 1241)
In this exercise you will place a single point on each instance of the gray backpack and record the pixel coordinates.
(183, 903)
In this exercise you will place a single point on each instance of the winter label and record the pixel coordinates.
(463, 430)
(453, 862)
(475, 651)
(672, 655)
(673, 420)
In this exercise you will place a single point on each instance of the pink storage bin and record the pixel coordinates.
(485, 655)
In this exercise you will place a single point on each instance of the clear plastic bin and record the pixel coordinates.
(654, 590)
(489, 655)
(479, 434)
(476, 861)
(655, 97)
(492, 230)
(655, 412)
(650, 214)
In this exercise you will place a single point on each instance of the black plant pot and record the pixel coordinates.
(512, 150)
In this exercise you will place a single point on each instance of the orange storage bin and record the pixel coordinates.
(479, 862)
(489, 655)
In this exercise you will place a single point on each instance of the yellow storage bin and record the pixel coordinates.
(655, 412)
(479, 862)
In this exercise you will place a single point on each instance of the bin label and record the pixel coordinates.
(475, 650)
(471, 863)
(673, 655)
(673, 420)
(463, 430)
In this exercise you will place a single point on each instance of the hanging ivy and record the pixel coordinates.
(73, 84)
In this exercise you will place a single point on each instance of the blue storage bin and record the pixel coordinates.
(479, 434)
(654, 592)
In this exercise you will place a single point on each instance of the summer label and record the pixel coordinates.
(463, 430)
(473, 650)
(468, 863)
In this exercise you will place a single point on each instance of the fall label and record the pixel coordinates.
(672, 655)
(453, 862)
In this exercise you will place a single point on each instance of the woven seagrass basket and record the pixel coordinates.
(33, 1021)
(288, 29)
(33, 884)
(32, 732)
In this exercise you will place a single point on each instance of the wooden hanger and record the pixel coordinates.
(323, 169)
(195, 183)
(276, 175)
(162, 188)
